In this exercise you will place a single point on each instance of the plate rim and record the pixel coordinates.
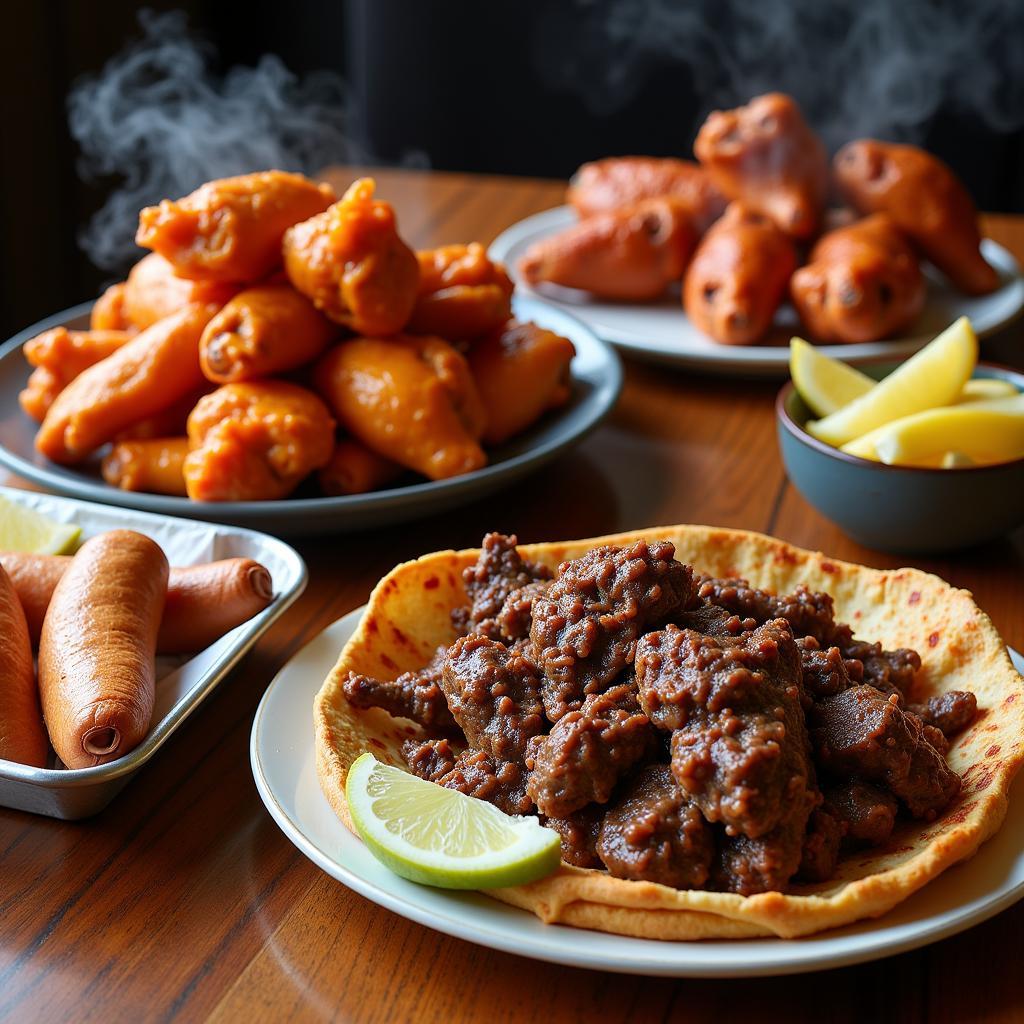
(561, 953)
(596, 407)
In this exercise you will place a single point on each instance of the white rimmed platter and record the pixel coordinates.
(660, 332)
(281, 753)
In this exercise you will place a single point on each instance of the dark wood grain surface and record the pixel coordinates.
(183, 900)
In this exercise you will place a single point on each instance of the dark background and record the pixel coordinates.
(454, 81)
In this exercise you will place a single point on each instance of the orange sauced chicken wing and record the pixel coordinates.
(631, 254)
(738, 276)
(862, 283)
(169, 422)
(255, 441)
(619, 181)
(356, 469)
(765, 155)
(352, 263)
(59, 356)
(521, 371)
(411, 399)
(926, 201)
(462, 295)
(155, 466)
(230, 229)
(263, 331)
(154, 291)
(107, 313)
(155, 369)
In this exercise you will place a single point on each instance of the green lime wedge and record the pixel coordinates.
(437, 836)
(24, 529)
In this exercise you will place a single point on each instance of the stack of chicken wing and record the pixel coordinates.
(747, 226)
(274, 334)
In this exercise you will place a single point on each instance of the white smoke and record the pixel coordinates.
(159, 118)
(857, 67)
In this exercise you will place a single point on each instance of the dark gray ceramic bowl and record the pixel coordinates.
(899, 508)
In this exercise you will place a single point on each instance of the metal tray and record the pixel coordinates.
(182, 684)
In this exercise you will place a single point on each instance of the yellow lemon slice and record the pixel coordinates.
(826, 385)
(24, 529)
(981, 388)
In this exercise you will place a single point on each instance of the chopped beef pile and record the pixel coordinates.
(671, 727)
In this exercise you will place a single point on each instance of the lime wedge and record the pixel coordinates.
(24, 529)
(825, 385)
(933, 377)
(437, 836)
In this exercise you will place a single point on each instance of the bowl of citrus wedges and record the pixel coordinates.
(921, 457)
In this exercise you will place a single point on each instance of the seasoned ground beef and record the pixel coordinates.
(739, 743)
(494, 695)
(808, 612)
(710, 620)
(516, 615)
(862, 733)
(888, 671)
(820, 853)
(825, 671)
(414, 695)
(949, 712)
(586, 626)
(656, 834)
(868, 813)
(579, 835)
(586, 753)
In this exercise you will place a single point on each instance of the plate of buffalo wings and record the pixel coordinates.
(282, 359)
(715, 263)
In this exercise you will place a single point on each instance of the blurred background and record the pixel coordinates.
(110, 106)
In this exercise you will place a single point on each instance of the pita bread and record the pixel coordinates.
(407, 618)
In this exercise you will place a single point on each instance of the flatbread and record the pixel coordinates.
(408, 617)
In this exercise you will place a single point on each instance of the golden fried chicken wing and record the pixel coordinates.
(352, 263)
(59, 356)
(765, 155)
(169, 422)
(255, 441)
(521, 371)
(356, 469)
(263, 331)
(631, 254)
(462, 295)
(618, 181)
(862, 283)
(148, 374)
(926, 201)
(230, 229)
(738, 276)
(107, 313)
(154, 466)
(154, 291)
(409, 398)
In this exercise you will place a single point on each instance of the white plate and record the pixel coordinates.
(281, 751)
(660, 331)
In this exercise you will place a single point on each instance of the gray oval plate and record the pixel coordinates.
(596, 380)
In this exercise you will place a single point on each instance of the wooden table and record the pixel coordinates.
(184, 900)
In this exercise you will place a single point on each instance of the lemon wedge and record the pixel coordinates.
(980, 388)
(932, 378)
(826, 385)
(441, 837)
(983, 432)
(24, 529)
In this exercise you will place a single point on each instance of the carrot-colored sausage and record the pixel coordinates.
(97, 651)
(203, 601)
(22, 735)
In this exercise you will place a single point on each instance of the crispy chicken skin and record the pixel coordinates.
(59, 356)
(153, 291)
(630, 254)
(352, 263)
(255, 441)
(148, 374)
(230, 229)
(154, 466)
(107, 313)
(462, 293)
(618, 181)
(738, 276)
(411, 399)
(862, 283)
(355, 469)
(765, 154)
(261, 332)
(925, 200)
(521, 371)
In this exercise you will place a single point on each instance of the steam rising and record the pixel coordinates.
(856, 67)
(158, 117)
